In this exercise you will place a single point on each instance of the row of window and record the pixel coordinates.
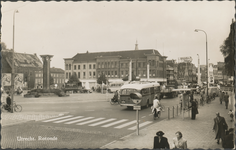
(152, 73)
(40, 81)
(77, 67)
(52, 74)
(91, 74)
(126, 65)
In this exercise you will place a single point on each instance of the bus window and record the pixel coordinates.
(128, 91)
(123, 92)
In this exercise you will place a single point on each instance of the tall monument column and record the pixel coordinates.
(46, 70)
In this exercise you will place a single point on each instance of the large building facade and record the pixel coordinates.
(115, 65)
(57, 74)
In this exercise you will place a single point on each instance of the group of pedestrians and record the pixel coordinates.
(224, 97)
(162, 142)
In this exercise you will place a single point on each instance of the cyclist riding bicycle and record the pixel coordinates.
(8, 101)
(156, 108)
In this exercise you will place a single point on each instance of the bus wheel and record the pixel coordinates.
(147, 104)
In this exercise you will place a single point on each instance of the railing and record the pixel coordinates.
(173, 111)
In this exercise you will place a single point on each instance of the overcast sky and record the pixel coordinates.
(64, 29)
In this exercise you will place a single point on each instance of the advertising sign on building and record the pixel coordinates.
(185, 59)
(6, 79)
(19, 82)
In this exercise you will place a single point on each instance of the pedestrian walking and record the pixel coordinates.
(194, 110)
(228, 141)
(160, 141)
(226, 97)
(231, 114)
(179, 142)
(221, 95)
(219, 127)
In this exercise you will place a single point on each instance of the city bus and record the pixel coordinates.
(114, 86)
(147, 92)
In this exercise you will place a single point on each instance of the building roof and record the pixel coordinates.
(21, 59)
(122, 54)
(56, 70)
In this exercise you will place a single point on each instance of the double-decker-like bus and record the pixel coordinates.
(147, 92)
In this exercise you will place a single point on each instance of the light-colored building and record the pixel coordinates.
(115, 65)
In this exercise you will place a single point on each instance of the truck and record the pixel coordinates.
(168, 90)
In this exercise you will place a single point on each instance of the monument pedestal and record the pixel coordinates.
(46, 70)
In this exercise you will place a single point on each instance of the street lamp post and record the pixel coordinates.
(13, 68)
(198, 70)
(196, 30)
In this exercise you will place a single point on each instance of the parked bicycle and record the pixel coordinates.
(16, 107)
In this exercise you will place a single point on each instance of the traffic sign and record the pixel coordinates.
(138, 107)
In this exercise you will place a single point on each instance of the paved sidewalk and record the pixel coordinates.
(8, 118)
(198, 133)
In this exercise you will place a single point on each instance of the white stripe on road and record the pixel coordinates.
(102, 122)
(141, 125)
(57, 118)
(68, 119)
(126, 124)
(79, 120)
(90, 121)
(111, 124)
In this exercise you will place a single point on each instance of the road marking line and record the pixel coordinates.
(126, 124)
(57, 118)
(140, 125)
(79, 120)
(102, 122)
(68, 119)
(111, 124)
(90, 121)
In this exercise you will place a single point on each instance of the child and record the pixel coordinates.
(231, 114)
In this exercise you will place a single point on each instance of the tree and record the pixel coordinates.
(74, 80)
(227, 50)
(102, 79)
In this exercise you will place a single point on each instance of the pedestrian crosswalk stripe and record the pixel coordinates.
(111, 124)
(82, 123)
(58, 118)
(140, 125)
(102, 122)
(126, 124)
(79, 120)
(68, 119)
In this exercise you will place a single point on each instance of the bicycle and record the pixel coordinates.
(114, 102)
(16, 108)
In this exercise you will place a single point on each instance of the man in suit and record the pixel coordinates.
(219, 127)
(160, 141)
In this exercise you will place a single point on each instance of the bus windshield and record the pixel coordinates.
(128, 91)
